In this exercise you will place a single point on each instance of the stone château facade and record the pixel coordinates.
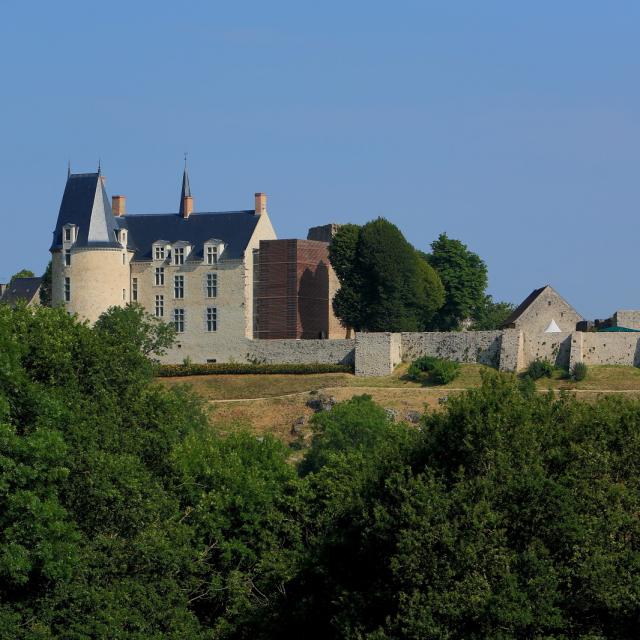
(194, 269)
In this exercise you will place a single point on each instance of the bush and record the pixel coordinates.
(444, 371)
(540, 369)
(236, 368)
(421, 365)
(579, 371)
(433, 369)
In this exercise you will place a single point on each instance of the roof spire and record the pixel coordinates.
(99, 166)
(68, 169)
(186, 192)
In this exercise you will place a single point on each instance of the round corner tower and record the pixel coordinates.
(90, 260)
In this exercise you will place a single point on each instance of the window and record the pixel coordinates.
(178, 287)
(67, 234)
(159, 276)
(159, 253)
(178, 320)
(212, 285)
(134, 289)
(67, 257)
(124, 294)
(212, 319)
(212, 254)
(160, 306)
(124, 258)
(67, 289)
(178, 255)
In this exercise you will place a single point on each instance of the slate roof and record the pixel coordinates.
(234, 228)
(85, 203)
(524, 305)
(21, 289)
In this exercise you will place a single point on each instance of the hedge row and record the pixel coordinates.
(171, 370)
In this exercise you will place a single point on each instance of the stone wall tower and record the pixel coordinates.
(90, 260)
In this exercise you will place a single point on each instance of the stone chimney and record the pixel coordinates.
(118, 205)
(261, 203)
(187, 206)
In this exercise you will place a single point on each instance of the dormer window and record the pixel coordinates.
(69, 233)
(160, 250)
(212, 250)
(180, 252)
(122, 237)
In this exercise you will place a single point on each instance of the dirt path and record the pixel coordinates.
(418, 390)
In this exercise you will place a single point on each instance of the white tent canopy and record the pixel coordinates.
(553, 327)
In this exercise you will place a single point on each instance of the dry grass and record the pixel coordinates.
(272, 403)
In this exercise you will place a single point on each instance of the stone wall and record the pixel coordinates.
(482, 347)
(512, 350)
(611, 348)
(265, 351)
(377, 354)
(554, 347)
(627, 318)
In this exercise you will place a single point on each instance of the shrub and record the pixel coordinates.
(444, 371)
(420, 366)
(540, 369)
(579, 371)
(238, 368)
(433, 369)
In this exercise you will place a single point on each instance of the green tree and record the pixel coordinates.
(347, 303)
(132, 325)
(491, 315)
(23, 273)
(384, 285)
(464, 276)
(45, 286)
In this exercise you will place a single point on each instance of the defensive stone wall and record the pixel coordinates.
(265, 351)
(376, 354)
(555, 347)
(610, 348)
(482, 347)
(627, 318)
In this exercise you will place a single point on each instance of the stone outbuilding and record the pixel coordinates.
(544, 310)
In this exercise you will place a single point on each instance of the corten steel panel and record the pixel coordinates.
(293, 291)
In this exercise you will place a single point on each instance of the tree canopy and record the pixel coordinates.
(464, 276)
(23, 273)
(125, 512)
(384, 284)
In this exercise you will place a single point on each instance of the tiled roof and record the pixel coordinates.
(21, 289)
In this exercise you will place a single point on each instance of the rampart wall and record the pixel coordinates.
(377, 354)
(482, 347)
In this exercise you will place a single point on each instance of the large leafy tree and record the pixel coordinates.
(45, 286)
(384, 284)
(464, 276)
(23, 273)
(491, 315)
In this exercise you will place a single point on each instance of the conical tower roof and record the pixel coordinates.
(186, 189)
(85, 203)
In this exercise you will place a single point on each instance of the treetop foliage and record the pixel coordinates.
(126, 513)
(464, 276)
(384, 284)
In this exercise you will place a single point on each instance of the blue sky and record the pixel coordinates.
(512, 126)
